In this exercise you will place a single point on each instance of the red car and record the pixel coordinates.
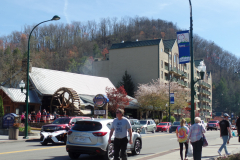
(163, 126)
(214, 124)
(57, 131)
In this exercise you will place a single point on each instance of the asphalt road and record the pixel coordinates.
(30, 150)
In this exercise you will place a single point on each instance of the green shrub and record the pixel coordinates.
(166, 120)
(188, 120)
(22, 129)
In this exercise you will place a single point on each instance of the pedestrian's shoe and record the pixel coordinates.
(219, 153)
(228, 154)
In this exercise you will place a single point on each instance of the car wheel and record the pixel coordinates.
(154, 129)
(137, 147)
(73, 155)
(170, 131)
(109, 155)
(44, 143)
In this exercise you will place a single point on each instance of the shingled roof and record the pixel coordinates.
(168, 44)
(129, 44)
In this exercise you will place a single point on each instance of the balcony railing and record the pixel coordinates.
(166, 67)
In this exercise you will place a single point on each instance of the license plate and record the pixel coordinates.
(82, 139)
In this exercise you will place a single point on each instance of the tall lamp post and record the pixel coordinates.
(192, 69)
(27, 87)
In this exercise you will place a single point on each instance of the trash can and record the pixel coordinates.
(13, 133)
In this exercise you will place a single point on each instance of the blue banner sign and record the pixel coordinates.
(171, 98)
(183, 47)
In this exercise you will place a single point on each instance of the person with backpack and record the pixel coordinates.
(182, 135)
(225, 133)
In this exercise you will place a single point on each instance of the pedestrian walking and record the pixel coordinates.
(121, 126)
(238, 128)
(48, 117)
(38, 116)
(182, 135)
(195, 135)
(33, 116)
(44, 114)
(225, 133)
(23, 118)
(55, 115)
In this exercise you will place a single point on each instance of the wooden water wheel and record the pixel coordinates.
(66, 99)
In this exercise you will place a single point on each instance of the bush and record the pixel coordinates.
(166, 120)
(1, 107)
(22, 129)
(188, 120)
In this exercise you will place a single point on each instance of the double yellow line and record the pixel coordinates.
(31, 150)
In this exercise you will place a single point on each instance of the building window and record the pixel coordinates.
(162, 74)
(162, 64)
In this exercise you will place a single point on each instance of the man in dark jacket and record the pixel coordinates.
(238, 128)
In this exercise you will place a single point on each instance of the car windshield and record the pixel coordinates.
(134, 122)
(212, 122)
(61, 121)
(143, 122)
(162, 124)
(176, 123)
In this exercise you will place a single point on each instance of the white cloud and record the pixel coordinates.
(65, 11)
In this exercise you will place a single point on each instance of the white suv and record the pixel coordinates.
(91, 137)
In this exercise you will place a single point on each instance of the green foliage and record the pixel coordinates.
(1, 107)
(165, 119)
(127, 83)
(188, 120)
(22, 129)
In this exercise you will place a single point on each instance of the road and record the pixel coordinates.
(153, 144)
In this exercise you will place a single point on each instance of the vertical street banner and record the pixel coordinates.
(183, 46)
(171, 98)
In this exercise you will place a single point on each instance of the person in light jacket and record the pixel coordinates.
(195, 135)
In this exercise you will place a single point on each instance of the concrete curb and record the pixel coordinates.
(19, 140)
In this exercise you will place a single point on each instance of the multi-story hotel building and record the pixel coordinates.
(155, 59)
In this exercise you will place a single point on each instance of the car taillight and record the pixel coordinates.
(99, 134)
(69, 132)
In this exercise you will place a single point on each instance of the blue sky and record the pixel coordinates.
(214, 20)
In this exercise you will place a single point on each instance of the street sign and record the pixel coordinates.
(100, 100)
(99, 112)
(171, 98)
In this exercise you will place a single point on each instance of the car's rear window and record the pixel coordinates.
(213, 122)
(61, 121)
(87, 126)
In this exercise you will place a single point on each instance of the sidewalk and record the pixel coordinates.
(5, 138)
(208, 153)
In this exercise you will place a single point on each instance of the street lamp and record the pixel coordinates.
(22, 85)
(27, 87)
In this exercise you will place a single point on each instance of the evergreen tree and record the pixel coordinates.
(127, 83)
(1, 107)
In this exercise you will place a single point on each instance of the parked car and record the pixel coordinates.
(57, 131)
(175, 125)
(213, 125)
(148, 125)
(133, 123)
(233, 127)
(163, 126)
(91, 137)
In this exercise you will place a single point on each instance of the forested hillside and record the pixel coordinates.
(72, 47)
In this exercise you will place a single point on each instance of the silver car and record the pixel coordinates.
(91, 137)
(147, 125)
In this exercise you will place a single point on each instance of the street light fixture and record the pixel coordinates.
(27, 87)
(22, 85)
